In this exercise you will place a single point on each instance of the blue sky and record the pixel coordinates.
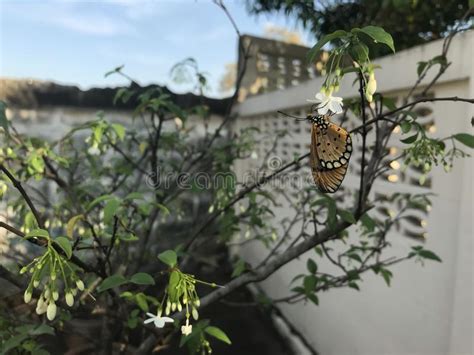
(76, 42)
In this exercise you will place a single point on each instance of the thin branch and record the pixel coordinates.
(364, 141)
(25, 196)
(423, 99)
(112, 242)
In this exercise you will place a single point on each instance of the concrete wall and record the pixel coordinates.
(427, 310)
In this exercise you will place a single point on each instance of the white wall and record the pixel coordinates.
(427, 310)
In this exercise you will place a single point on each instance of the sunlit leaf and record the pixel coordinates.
(218, 334)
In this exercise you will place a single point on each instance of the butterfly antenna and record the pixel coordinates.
(291, 116)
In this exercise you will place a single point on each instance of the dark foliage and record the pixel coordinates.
(410, 22)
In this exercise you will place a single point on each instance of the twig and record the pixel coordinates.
(364, 141)
(25, 196)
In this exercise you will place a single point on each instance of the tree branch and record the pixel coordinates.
(23, 193)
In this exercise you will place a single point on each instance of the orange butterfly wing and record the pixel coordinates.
(329, 156)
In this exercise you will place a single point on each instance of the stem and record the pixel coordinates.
(364, 140)
(25, 196)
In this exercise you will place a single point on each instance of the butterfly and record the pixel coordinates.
(330, 151)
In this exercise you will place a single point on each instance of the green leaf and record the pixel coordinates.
(317, 47)
(165, 210)
(119, 130)
(410, 139)
(427, 254)
(309, 283)
(142, 278)
(70, 225)
(134, 196)
(421, 67)
(318, 251)
(65, 245)
(354, 256)
(169, 257)
(116, 70)
(142, 302)
(218, 334)
(312, 266)
(439, 59)
(297, 277)
(12, 343)
(110, 209)
(173, 282)
(313, 298)
(111, 282)
(368, 222)
(42, 233)
(98, 200)
(354, 285)
(42, 329)
(387, 275)
(239, 268)
(389, 103)
(4, 123)
(465, 138)
(347, 216)
(360, 52)
(378, 34)
(405, 126)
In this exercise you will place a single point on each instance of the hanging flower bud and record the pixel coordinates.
(36, 283)
(69, 299)
(368, 97)
(55, 295)
(51, 311)
(27, 296)
(41, 306)
(195, 314)
(371, 85)
(80, 285)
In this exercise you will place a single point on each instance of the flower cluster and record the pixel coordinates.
(179, 295)
(44, 271)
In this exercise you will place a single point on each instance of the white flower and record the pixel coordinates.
(187, 329)
(94, 150)
(327, 103)
(178, 122)
(158, 320)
